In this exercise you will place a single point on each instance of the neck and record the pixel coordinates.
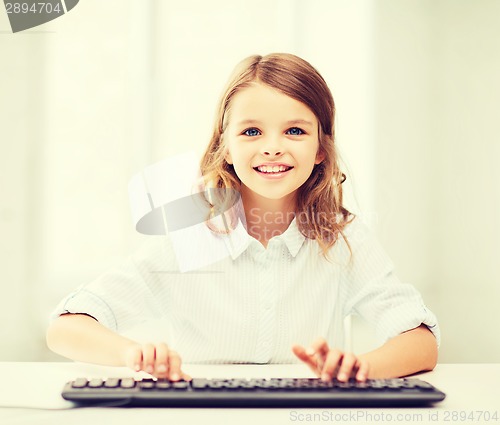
(267, 217)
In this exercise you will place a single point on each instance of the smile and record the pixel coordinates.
(275, 169)
(274, 172)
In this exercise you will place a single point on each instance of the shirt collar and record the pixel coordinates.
(292, 238)
(238, 241)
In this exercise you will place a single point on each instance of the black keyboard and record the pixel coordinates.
(276, 392)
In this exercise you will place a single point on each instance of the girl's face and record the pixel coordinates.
(272, 141)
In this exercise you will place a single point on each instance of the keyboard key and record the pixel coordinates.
(215, 385)
(112, 383)
(408, 384)
(344, 385)
(424, 385)
(95, 383)
(231, 385)
(361, 386)
(79, 383)
(147, 385)
(180, 385)
(246, 385)
(127, 383)
(163, 384)
(199, 384)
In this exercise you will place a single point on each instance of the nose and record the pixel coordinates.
(272, 147)
(271, 152)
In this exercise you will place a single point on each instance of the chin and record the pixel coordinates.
(273, 196)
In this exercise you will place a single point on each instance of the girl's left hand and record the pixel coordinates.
(327, 363)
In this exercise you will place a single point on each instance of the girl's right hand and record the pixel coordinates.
(156, 359)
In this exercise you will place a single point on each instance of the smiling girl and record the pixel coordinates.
(305, 264)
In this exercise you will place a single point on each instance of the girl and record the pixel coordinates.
(303, 262)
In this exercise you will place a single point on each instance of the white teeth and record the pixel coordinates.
(272, 169)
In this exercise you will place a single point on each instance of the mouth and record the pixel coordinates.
(270, 170)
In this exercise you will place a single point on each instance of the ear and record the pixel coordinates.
(228, 158)
(320, 156)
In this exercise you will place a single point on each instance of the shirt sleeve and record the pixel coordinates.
(126, 295)
(375, 293)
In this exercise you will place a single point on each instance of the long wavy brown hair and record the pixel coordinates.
(319, 211)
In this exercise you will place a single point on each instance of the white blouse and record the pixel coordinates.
(252, 305)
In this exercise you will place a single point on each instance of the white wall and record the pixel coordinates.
(91, 98)
(21, 121)
(437, 148)
(468, 144)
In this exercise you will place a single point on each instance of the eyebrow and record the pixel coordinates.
(291, 122)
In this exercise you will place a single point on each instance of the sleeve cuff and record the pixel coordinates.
(85, 302)
(406, 317)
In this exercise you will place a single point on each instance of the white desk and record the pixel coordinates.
(30, 394)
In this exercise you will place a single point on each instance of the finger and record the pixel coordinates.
(174, 366)
(133, 358)
(300, 352)
(186, 377)
(148, 358)
(318, 351)
(348, 362)
(319, 346)
(363, 370)
(161, 361)
(332, 364)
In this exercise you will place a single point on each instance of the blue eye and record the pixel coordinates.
(252, 132)
(295, 131)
